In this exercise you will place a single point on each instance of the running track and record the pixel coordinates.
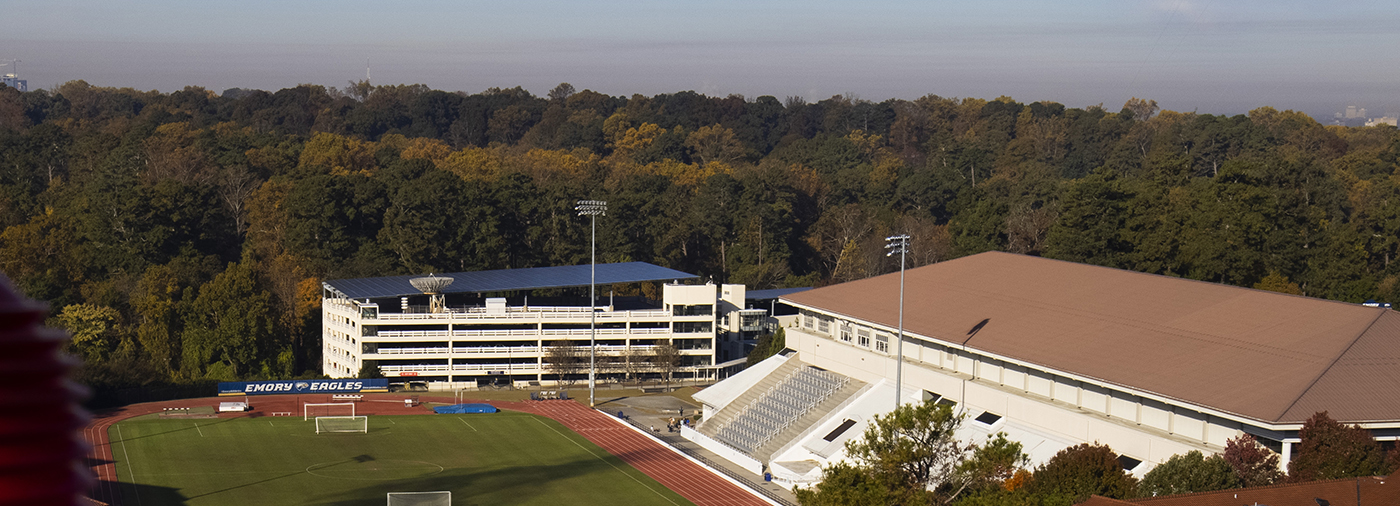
(690, 480)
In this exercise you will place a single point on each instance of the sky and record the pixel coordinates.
(1217, 57)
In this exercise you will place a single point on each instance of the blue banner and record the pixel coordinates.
(347, 386)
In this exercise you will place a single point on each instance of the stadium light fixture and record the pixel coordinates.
(899, 244)
(592, 209)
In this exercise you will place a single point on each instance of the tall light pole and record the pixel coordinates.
(592, 209)
(899, 244)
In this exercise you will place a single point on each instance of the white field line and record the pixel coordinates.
(468, 425)
(129, 470)
(590, 452)
(201, 431)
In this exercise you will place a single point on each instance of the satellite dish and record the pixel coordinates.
(431, 284)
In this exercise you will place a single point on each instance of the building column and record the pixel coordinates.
(1287, 456)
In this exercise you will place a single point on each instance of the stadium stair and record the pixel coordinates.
(727, 414)
(779, 408)
(808, 420)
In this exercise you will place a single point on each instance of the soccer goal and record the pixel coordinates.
(342, 424)
(312, 410)
(442, 498)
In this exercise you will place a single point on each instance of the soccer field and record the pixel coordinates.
(503, 458)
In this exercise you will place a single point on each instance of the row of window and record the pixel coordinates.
(849, 333)
(1188, 422)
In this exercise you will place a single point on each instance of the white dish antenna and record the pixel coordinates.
(431, 284)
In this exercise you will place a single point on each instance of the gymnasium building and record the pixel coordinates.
(499, 327)
(1055, 354)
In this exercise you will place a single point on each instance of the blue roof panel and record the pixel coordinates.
(773, 293)
(510, 279)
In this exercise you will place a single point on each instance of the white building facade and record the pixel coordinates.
(478, 338)
(1056, 354)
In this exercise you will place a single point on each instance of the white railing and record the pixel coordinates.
(393, 334)
(410, 351)
(478, 350)
(340, 306)
(412, 333)
(415, 368)
(531, 313)
(496, 367)
(511, 350)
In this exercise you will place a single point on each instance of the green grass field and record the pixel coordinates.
(504, 458)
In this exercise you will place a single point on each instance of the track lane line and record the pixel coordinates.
(614, 466)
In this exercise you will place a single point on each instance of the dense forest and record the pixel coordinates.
(183, 236)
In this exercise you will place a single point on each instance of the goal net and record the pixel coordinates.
(442, 498)
(312, 410)
(342, 424)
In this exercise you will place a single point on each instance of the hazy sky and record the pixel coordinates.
(1220, 56)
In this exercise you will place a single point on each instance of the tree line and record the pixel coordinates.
(183, 236)
(911, 456)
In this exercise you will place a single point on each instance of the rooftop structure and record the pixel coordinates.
(506, 280)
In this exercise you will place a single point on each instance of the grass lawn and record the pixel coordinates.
(502, 458)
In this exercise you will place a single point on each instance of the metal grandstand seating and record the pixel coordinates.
(779, 407)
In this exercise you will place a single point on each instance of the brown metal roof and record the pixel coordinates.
(1264, 355)
(1342, 492)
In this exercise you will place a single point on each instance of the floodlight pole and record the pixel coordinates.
(592, 209)
(899, 244)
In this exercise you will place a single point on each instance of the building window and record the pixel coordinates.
(807, 319)
(845, 334)
(863, 340)
(823, 325)
(840, 429)
(696, 310)
(988, 418)
(690, 327)
(882, 343)
(1128, 463)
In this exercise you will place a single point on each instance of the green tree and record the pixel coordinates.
(94, 330)
(369, 370)
(1276, 282)
(1091, 226)
(1330, 449)
(1187, 473)
(899, 457)
(156, 304)
(767, 346)
(424, 224)
(228, 326)
(844, 484)
(992, 463)
(1082, 470)
(714, 144)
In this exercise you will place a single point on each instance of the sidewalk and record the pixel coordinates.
(646, 419)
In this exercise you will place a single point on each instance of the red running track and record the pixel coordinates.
(690, 480)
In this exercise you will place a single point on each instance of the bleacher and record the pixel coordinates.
(779, 407)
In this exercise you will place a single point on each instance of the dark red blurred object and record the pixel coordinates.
(41, 453)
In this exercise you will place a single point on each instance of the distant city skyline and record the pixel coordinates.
(1222, 57)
